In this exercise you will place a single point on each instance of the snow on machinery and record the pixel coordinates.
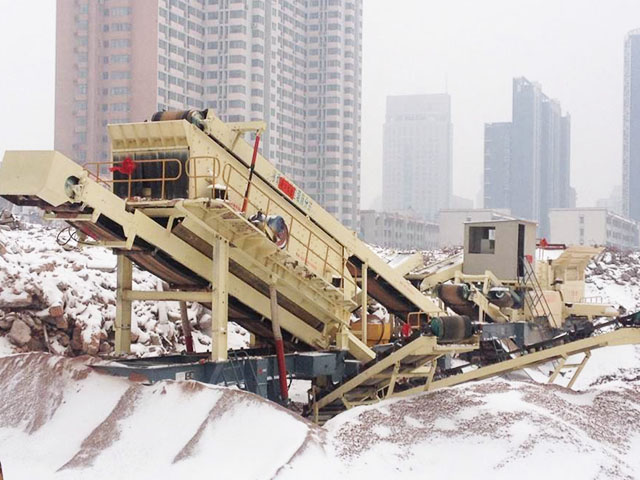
(186, 198)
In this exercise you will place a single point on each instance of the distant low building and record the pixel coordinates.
(461, 202)
(593, 226)
(391, 230)
(452, 222)
(613, 202)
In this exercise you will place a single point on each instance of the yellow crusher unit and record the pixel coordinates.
(186, 198)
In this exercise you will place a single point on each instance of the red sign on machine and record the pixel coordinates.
(287, 188)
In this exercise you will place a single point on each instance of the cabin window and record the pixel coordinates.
(482, 240)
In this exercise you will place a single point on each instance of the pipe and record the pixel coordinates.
(277, 336)
(186, 327)
(245, 202)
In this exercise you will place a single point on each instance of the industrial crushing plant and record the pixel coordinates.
(186, 198)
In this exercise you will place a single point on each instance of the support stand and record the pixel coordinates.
(123, 306)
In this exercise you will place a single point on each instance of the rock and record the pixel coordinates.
(16, 300)
(64, 339)
(20, 333)
(26, 318)
(205, 322)
(56, 311)
(62, 323)
(7, 321)
(36, 344)
(155, 338)
(105, 348)
(93, 346)
(76, 338)
(625, 277)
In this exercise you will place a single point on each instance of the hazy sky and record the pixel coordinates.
(473, 48)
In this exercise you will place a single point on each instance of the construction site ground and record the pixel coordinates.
(61, 419)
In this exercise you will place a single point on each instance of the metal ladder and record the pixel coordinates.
(534, 297)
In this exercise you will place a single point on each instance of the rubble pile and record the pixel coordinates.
(63, 300)
(428, 256)
(614, 277)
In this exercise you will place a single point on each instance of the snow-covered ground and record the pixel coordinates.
(59, 419)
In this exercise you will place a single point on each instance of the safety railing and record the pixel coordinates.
(594, 299)
(318, 259)
(534, 296)
(210, 171)
(109, 181)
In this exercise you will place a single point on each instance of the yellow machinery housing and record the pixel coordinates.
(178, 199)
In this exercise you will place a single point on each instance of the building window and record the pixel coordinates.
(120, 11)
(120, 58)
(120, 27)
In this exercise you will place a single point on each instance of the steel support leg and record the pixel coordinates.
(392, 381)
(342, 338)
(220, 300)
(587, 356)
(432, 371)
(277, 338)
(364, 302)
(558, 368)
(123, 307)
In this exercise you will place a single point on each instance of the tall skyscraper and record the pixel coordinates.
(417, 155)
(533, 174)
(294, 64)
(631, 127)
(497, 160)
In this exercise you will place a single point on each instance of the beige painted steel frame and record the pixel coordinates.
(181, 134)
(220, 300)
(43, 174)
(123, 305)
(407, 362)
(622, 336)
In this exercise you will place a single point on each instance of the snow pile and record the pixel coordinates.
(62, 420)
(65, 421)
(71, 294)
(497, 429)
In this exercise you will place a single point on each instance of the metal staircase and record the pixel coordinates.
(534, 297)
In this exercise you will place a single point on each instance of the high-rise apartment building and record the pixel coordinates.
(333, 106)
(294, 64)
(497, 159)
(631, 127)
(417, 155)
(532, 174)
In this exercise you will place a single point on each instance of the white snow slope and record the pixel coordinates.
(61, 420)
